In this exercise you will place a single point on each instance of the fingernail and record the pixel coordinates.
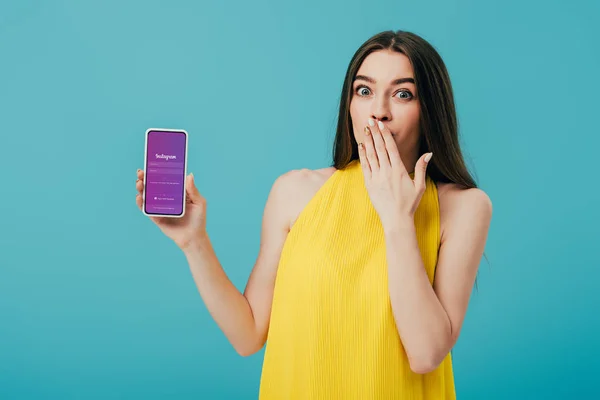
(428, 157)
(380, 124)
(371, 122)
(367, 130)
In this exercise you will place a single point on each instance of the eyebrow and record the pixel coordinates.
(395, 82)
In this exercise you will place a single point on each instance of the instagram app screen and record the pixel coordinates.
(165, 172)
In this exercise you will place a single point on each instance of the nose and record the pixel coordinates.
(380, 110)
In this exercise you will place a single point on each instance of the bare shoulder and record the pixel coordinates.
(288, 194)
(458, 204)
(300, 185)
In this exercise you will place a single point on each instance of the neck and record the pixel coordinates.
(409, 158)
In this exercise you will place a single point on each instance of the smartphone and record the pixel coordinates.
(165, 169)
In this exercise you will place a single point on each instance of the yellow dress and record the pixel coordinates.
(332, 334)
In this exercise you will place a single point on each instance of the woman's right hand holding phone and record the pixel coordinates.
(186, 230)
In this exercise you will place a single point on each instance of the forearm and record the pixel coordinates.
(422, 322)
(228, 307)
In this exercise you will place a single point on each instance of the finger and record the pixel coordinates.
(139, 183)
(364, 163)
(380, 148)
(421, 172)
(392, 148)
(192, 190)
(370, 150)
(138, 200)
(139, 203)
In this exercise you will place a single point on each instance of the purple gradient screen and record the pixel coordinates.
(165, 173)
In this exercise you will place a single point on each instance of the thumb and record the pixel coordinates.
(192, 190)
(421, 169)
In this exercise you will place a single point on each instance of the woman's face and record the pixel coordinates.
(384, 90)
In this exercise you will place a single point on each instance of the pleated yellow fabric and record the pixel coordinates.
(332, 334)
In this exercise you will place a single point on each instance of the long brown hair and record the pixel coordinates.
(438, 122)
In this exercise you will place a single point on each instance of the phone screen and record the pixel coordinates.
(165, 170)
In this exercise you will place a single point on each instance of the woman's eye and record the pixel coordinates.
(405, 94)
(361, 90)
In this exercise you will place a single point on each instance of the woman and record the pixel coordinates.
(365, 268)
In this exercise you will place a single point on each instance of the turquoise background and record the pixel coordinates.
(96, 303)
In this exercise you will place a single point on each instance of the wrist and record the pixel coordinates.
(399, 224)
(196, 245)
